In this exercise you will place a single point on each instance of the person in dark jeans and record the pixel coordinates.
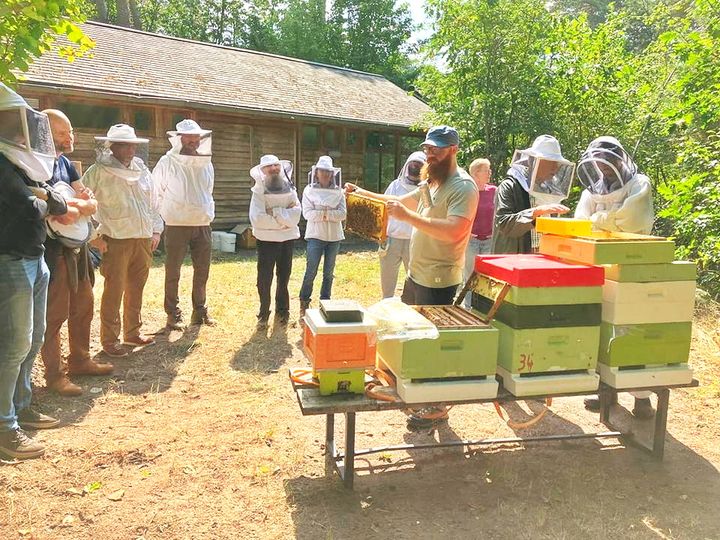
(184, 178)
(274, 216)
(27, 156)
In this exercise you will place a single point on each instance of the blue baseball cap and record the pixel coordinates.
(442, 136)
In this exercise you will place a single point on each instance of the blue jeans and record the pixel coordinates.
(23, 299)
(316, 249)
(475, 247)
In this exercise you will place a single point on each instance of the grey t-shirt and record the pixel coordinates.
(435, 263)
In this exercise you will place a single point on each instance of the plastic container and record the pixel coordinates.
(216, 236)
(227, 242)
(338, 345)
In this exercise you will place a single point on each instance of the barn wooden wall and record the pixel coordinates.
(238, 143)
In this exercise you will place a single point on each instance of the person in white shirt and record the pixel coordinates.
(128, 232)
(274, 216)
(617, 197)
(397, 249)
(184, 178)
(324, 208)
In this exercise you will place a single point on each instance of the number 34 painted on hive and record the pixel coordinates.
(526, 362)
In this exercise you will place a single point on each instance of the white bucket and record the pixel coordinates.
(216, 236)
(227, 242)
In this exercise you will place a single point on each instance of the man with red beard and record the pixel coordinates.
(442, 219)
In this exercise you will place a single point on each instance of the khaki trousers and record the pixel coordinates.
(75, 307)
(125, 267)
(177, 241)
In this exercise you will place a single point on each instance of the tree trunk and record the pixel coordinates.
(136, 19)
(221, 23)
(102, 13)
(123, 13)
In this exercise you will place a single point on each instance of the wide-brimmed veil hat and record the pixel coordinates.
(546, 147)
(325, 163)
(122, 133)
(189, 127)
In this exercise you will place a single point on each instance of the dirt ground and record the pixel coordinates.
(200, 437)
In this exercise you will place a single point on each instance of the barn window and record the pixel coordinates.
(87, 116)
(311, 137)
(380, 166)
(332, 141)
(144, 120)
(176, 118)
(353, 139)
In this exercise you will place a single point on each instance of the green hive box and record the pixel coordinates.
(608, 251)
(539, 296)
(557, 316)
(644, 344)
(647, 273)
(456, 353)
(341, 381)
(540, 350)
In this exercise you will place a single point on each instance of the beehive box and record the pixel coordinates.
(458, 352)
(645, 273)
(538, 296)
(644, 344)
(542, 350)
(535, 270)
(652, 302)
(544, 316)
(607, 248)
(563, 226)
(338, 345)
(341, 381)
(245, 238)
(444, 391)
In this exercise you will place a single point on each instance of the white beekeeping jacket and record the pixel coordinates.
(127, 199)
(274, 210)
(185, 189)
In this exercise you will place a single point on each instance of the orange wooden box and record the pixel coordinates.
(338, 345)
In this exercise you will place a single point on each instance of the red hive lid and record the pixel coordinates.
(536, 270)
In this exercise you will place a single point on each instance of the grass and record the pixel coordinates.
(203, 436)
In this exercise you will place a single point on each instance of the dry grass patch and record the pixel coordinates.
(200, 437)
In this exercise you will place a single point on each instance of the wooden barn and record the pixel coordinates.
(255, 103)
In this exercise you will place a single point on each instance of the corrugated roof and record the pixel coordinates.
(146, 65)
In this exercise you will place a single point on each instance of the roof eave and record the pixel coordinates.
(198, 104)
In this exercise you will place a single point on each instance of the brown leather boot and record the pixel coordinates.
(201, 317)
(304, 306)
(63, 386)
(174, 321)
(88, 367)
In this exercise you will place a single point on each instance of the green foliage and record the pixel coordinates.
(645, 72)
(28, 27)
(368, 35)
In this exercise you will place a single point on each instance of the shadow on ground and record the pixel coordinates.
(577, 489)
